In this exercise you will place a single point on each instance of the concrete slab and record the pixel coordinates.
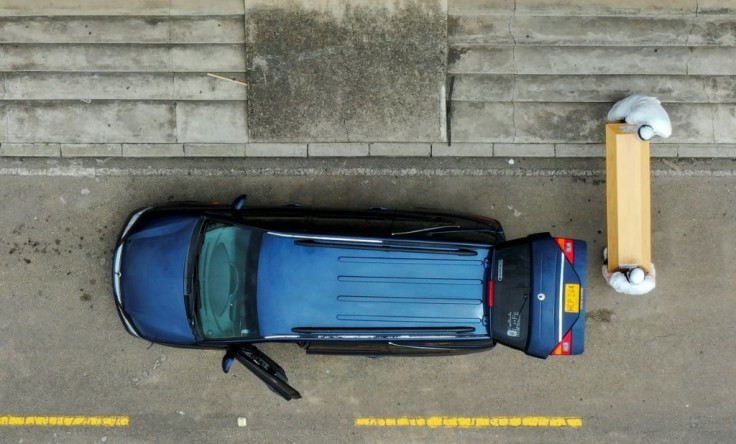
(91, 150)
(227, 29)
(560, 122)
(30, 149)
(607, 8)
(540, 123)
(481, 7)
(96, 122)
(490, 88)
(85, 58)
(713, 31)
(85, 85)
(482, 122)
(3, 124)
(207, 58)
(400, 149)
(131, 7)
(713, 60)
(693, 122)
(602, 60)
(346, 71)
(207, 7)
(481, 60)
(276, 150)
(346, 149)
(461, 149)
(214, 150)
(608, 88)
(597, 30)
(153, 150)
(724, 130)
(580, 150)
(120, 86)
(123, 58)
(84, 7)
(122, 29)
(716, 7)
(199, 86)
(76, 29)
(663, 150)
(478, 30)
(210, 122)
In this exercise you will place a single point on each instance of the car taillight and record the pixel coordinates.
(564, 347)
(568, 247)
(490, 293)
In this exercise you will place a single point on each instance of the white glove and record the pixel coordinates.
(645, 112)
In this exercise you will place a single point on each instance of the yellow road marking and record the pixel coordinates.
(472, 422)
(65, 421)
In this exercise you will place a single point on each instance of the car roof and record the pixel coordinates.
(360, 287)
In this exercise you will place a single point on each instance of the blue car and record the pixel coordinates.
(368, 282)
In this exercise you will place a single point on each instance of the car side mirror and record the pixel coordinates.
(239, 202)
(227, 361)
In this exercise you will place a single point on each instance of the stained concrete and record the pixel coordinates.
(342, 72)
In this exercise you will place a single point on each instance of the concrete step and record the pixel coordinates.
(129, 7)
(122, 58)
(577, 60)
(593, 88)
(555, 122)
(120, 86)
(591, 31)
(646, 8)
(539, 76)
(123, 122)
(128, 30)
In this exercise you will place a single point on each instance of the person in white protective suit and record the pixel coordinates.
(644, 112)
(633, 281)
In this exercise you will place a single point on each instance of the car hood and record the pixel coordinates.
(153, 272)
(338, 287)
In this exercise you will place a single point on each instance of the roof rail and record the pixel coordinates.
(386, 246)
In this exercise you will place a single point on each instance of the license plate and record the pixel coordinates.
(572, 298)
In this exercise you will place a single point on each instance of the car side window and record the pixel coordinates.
(352, 223)
(286, 219)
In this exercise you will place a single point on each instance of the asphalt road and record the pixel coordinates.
(657, 368)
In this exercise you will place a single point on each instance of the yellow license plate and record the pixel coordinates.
(572, 298)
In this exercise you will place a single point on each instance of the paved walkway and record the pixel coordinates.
(526, 78)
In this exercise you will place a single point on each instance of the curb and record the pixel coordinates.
(345, 150)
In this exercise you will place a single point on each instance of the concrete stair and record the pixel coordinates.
(531, 78)
(92, 78)
(537, 78)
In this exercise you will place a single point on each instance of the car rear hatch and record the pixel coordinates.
(538, 286)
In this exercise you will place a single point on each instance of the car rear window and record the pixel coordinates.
(510, 313)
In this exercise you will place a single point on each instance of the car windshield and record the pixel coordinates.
(226, 273)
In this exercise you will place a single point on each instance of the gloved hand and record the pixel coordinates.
(645, 112)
